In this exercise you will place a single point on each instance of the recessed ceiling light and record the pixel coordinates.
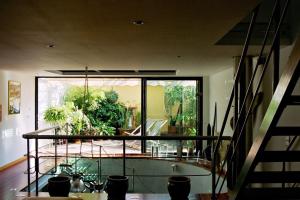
(138, 22)
(50, 45)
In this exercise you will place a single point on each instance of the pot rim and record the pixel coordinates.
(59, 179)
(179, 179)
(117, 178)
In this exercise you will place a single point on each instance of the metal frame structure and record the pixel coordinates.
(239, 167)
(36, 136)
(199, 96)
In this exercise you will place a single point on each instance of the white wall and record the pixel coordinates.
(220, 85)
(12, 145)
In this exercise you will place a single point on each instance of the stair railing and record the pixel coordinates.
(237, 132)
(290, 145)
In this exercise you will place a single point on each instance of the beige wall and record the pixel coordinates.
(129, 95)
(155, 104)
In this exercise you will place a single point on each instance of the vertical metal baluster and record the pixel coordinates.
(55, 149)
(67, 145)
(28, 165)
(36, 168)
(124, 161)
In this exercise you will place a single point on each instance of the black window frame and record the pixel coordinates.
(199, 96)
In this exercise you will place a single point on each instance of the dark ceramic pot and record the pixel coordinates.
(59, 186)
(179, 187)
(116, 187)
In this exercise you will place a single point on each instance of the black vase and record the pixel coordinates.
(116, 187)
(179, 187)
(59, 186)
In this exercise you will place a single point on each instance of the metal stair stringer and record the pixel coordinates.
(284, 89)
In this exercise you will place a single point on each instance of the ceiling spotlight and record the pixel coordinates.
(138, 22)
(50, 45)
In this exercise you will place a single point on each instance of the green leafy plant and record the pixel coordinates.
(56, 115)
(189, 112)
(191, 132)
(78, 122)
(180, 106)
(104, 129)
(173, 97)
(138, 118)
(111, 113)
(111, 96)
(76, 95)
(95, 111)
(108, 115)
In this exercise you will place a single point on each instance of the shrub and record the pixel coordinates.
(55, 115)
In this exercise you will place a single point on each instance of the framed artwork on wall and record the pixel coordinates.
(14, 97)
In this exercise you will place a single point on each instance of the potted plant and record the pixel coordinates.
(173, 105)
(190, 143)
(108, 111)
(78, 122)
(103, 128)
(179, 187)
(55, 115)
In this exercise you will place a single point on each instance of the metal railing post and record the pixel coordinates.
(213, 175)
(28, 165)
(36, 167)
(55, 149)
(67, 144)
(124, 159)
(100, 165)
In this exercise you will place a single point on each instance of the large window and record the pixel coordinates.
(110, 105)
(171, 110)
(113, 106)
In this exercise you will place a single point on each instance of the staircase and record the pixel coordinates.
(245, 179)
(282, 98)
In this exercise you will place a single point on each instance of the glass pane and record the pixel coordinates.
(110, 106)
(171, 110)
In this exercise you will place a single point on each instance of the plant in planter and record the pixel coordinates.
(56, 115)
(138, 118)
(190, 103)
(173, 104)
(108, 111)
(79, 122)
(76, 95)
(191, 143)
(103, 128)
(111, 96)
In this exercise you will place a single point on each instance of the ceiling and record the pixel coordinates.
(176, 34)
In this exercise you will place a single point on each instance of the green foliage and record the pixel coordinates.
(67, 113)
(191, 132)
(55, 115)
(111, 113)
(138, 118)
(189, 112)
(173, 96)
(78, 122)
(184, 97)
(98, 111)
(104, 129)
(76, 95)
(111, 96)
